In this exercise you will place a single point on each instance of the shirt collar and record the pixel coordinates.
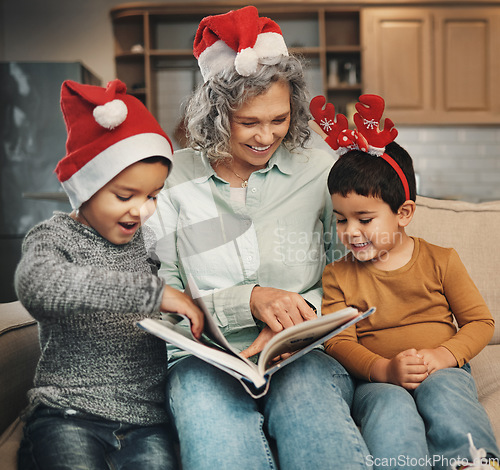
(281, 160)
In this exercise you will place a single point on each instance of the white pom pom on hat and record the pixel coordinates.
(111, 114)
(246, 62)
(108, 130)
(239, 38)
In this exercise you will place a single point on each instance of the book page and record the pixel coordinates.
(210, 328)
(301, 338)
(217, 356)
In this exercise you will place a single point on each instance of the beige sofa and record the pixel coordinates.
(473, 229)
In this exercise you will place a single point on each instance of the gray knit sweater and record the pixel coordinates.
(87, 293)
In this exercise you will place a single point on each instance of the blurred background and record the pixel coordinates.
(435, 63)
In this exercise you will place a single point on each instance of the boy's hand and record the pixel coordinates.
(176, 301)
(260, 342)
(407, 369)
(438, 358)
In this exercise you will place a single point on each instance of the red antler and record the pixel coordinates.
(370, 109)
(325, 118)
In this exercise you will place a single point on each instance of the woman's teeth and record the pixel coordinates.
(260, 149)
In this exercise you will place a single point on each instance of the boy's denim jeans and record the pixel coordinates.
(305, 413)
(65, 439)
(426, 428)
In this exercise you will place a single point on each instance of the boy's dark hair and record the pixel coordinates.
(157, 159)
(367, 175)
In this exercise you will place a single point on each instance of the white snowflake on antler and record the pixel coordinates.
(370, 124)
(326, 124)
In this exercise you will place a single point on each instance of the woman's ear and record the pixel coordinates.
(405, 213)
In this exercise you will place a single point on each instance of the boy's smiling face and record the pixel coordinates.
(120, 207)
(370, 230)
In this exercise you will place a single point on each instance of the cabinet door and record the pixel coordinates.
(434, 65)
(397, 60)
(467, 64)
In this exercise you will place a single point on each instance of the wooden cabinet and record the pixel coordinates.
(153, 50)
(433, 62)
(434, 65)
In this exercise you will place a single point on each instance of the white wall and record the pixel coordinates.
(458, 162)
(60, 30)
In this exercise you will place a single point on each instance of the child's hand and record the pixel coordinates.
(176, 301)
(407, 369)
(260, 342)
(438, 358)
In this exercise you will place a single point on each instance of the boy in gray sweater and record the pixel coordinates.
(98, 399)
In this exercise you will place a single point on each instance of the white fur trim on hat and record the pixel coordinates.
(110, 162)
(268, 49)
(270, 46)
(216, 58)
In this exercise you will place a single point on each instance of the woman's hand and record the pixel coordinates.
(175, 301)
(407, 369)
(279, 308)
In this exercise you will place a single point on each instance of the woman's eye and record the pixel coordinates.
(279, 121)
(341, 221)
(365, 221)
(153, 198)
(123, 198)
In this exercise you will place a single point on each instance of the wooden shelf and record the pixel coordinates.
(344, 49)
(181, 53)
(166, 72)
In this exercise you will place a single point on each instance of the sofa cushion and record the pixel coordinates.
(20, 350)
(486, 373)
(473, 230)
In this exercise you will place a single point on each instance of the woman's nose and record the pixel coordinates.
(264, 135)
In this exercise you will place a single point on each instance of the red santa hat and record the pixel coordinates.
(239, 38)
(108, 131)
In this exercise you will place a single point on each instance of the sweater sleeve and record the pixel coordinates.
(470, 310)
(356, 358)
(50, 283)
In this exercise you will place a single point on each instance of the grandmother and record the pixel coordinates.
(247, 215)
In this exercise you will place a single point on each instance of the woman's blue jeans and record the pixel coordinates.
(69, 440)
(426, 428)
(305, 418)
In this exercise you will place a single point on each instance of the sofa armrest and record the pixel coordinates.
(19, 353)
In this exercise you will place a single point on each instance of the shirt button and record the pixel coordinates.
(254, 190)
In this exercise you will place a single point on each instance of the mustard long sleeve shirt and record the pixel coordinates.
(416, 305)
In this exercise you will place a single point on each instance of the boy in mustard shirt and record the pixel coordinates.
(415, 401)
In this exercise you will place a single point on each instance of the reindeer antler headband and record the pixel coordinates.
(367, 137)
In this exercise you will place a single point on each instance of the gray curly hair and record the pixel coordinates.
(209, 110)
